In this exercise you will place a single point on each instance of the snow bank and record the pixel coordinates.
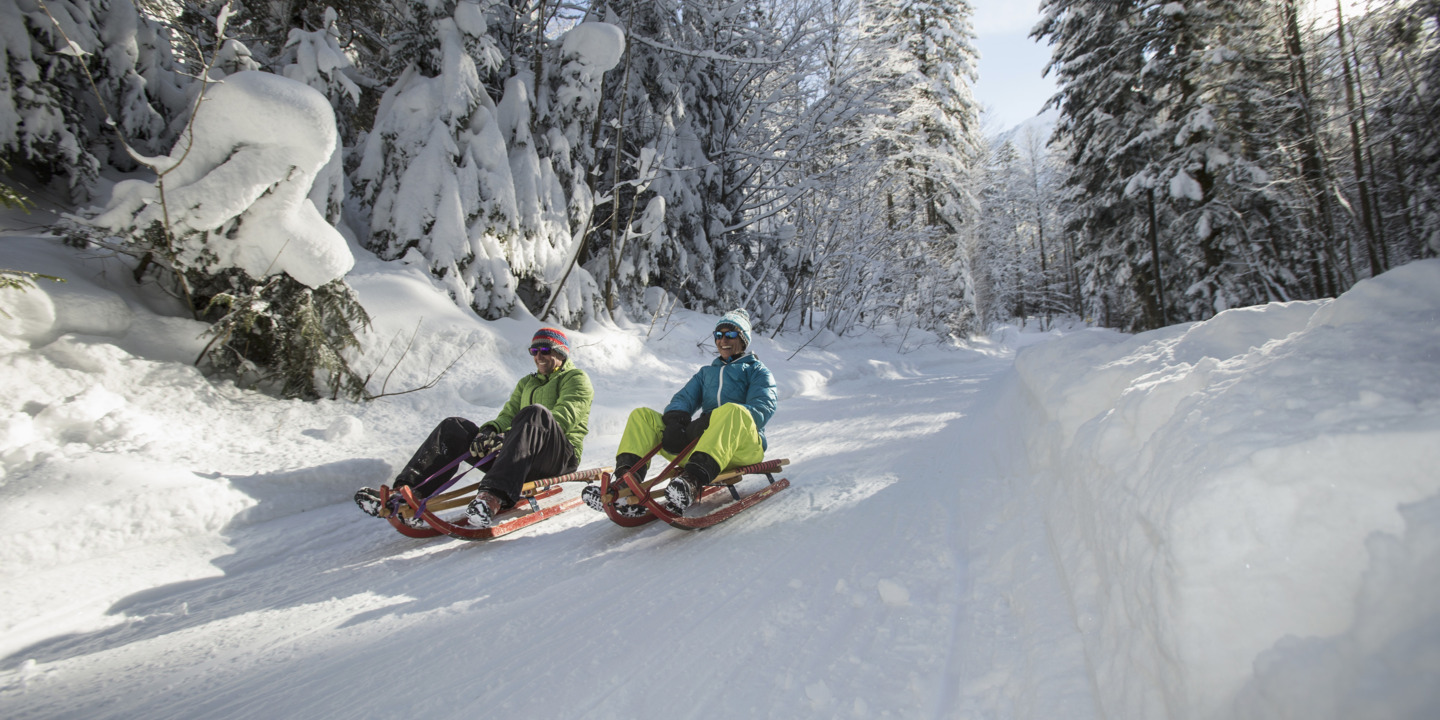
(260, 143)
(1244, 508)
(140, 320)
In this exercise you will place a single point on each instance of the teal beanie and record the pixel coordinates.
(741, 320)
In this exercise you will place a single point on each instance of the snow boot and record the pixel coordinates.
(483, 509)
(416, 522)
(632, 510)
(591, 496)
(369, 501)
(680, 493)
(684, 490)
(629, 463)
(623, 463)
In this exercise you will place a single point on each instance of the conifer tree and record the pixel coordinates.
(930, 140)
(1098, 59)
(78, 76)
(432, 175)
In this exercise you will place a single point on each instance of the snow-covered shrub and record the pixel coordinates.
(234, 217)
(286, 336)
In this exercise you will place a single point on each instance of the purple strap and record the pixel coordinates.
(454, 478)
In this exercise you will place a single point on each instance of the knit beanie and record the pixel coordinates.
(741, 320)
(554, 338)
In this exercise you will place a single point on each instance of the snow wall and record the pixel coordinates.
(1245, 509)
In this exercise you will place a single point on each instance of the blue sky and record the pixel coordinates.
(1010, 85)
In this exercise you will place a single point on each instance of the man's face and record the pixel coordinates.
(546, 359)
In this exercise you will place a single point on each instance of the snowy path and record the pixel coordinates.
(901, 576)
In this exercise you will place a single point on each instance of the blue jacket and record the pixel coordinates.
(743, 379)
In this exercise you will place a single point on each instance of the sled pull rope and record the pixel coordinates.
(453, 478)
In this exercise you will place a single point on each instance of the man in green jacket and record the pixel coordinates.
(539, 433)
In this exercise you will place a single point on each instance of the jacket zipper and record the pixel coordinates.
(720, 388)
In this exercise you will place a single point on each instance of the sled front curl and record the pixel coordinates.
(528, 511)
(397, 521)
(653, 499)
(615, 492)
(630, 491)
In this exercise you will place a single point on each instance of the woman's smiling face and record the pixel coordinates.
(729, 346)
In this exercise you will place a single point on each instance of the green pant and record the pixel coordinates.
(731, 439)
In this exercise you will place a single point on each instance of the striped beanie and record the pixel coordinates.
(740, 319)
(554, 338)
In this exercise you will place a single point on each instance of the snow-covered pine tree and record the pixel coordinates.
(931, 141)
(648, 144)
(481, 187)
(52, 119)
(570, 103)
(316, 58)
(1099, 59)
(1000, 270)
(1227, 153)
(1423, 123)
(1213, 76)
(1394, 53)
(434, 175)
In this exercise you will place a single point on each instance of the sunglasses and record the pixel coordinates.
(541, 350)
(726, 334)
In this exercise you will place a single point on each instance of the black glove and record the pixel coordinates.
(486, 442)
(697, 427)
(676, 437)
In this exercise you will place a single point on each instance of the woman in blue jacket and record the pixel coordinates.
(735, 396)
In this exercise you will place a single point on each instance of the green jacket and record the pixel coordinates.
(565, 392)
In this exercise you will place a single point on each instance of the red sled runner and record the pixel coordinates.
(630, 501)
(419, 517)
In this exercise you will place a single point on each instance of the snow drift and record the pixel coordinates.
(1226, 494)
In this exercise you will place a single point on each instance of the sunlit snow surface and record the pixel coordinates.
(1235, 518)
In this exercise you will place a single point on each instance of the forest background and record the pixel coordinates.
(819, 162)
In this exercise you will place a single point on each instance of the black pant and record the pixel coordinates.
(535, 447)
(449, 440)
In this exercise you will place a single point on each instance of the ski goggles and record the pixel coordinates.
(727, 334)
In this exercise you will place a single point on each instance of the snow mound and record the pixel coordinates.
(596, 44)
(260, 143)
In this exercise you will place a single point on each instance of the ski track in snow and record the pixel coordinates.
(897, 546)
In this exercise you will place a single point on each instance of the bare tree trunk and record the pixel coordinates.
(1314, 170)
(1367, 219)
(1155, 259)
(619, 156)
